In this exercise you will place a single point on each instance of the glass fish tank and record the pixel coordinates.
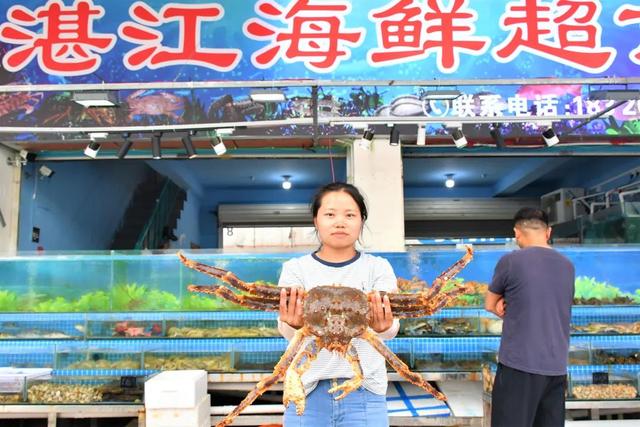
(153, 282)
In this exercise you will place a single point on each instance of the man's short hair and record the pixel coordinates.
(531, 218)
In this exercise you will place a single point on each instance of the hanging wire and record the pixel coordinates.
(333, 172)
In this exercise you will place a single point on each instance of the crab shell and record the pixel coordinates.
(336, 315)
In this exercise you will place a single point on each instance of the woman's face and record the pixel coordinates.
(338, 221)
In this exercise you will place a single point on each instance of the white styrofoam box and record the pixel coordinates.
(175, 389)
(181, 417)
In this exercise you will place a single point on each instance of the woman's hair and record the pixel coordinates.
(339, 186)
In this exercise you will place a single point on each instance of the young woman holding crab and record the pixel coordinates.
(336, 307)
(339, 213)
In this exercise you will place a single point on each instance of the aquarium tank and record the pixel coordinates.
(132, 282)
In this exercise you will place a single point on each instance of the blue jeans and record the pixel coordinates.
(359, 408)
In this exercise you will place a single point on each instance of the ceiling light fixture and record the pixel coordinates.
(550, 137)
(92, 149)
(458, 138)
(188, 145)
(45, 171)
(422, 135)
(614, 95)
(218, 145)
(365, 141)
(449, 181)
(496, 135)
(155, 145)
(96, 99)
(442, 95)
(286, 182)
(394, 136)
(267, 95)
(126, 145)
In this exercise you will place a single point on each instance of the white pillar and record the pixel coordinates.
(9, 200)
(378, 175)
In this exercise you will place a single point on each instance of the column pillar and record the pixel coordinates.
(378, 175)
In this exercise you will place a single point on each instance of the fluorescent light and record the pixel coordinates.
(96, 99)
(614, 95)
(267, 95)
(98, 135)
(443, 95)
(225, 131)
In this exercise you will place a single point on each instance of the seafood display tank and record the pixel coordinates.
(94, 324)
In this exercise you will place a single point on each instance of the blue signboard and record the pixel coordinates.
(123, 41)
(96, 41)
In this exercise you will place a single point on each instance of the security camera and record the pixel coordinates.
(26, 156)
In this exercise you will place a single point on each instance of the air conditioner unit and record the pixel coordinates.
(559, 206)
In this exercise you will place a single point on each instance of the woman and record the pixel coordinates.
(339, 213)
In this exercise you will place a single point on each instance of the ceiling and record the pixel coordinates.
(490, 176)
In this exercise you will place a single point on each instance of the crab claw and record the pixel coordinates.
(346, 387)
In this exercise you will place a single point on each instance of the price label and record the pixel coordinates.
(600, 377)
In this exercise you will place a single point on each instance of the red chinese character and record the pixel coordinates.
(629, 15)
(315, 34)
(399, 33)
(66, 45)
(565, 31)
(153, 54)
(452, 34)
(445, 32)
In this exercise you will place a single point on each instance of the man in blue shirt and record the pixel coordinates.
(532, 290)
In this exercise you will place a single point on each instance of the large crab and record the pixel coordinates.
(333, 317)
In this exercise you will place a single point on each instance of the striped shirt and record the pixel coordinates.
(364, 272)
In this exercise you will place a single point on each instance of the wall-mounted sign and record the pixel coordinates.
(253, 40)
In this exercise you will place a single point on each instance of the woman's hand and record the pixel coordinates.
(381, 317)
(291, 308)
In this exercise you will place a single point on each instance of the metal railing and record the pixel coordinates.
(154, 235)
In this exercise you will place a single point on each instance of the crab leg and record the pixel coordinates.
(293, 387)
(452, 271)
(278, 373)
(353, 383)
(400, 366)
(230, 278)
(250, 301)
(430, 306)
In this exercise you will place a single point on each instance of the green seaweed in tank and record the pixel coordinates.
(128, 297)
(55, 305)
(93, 302)
(160, 300)
(8, 301)
(590, 291)
(194, 302)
